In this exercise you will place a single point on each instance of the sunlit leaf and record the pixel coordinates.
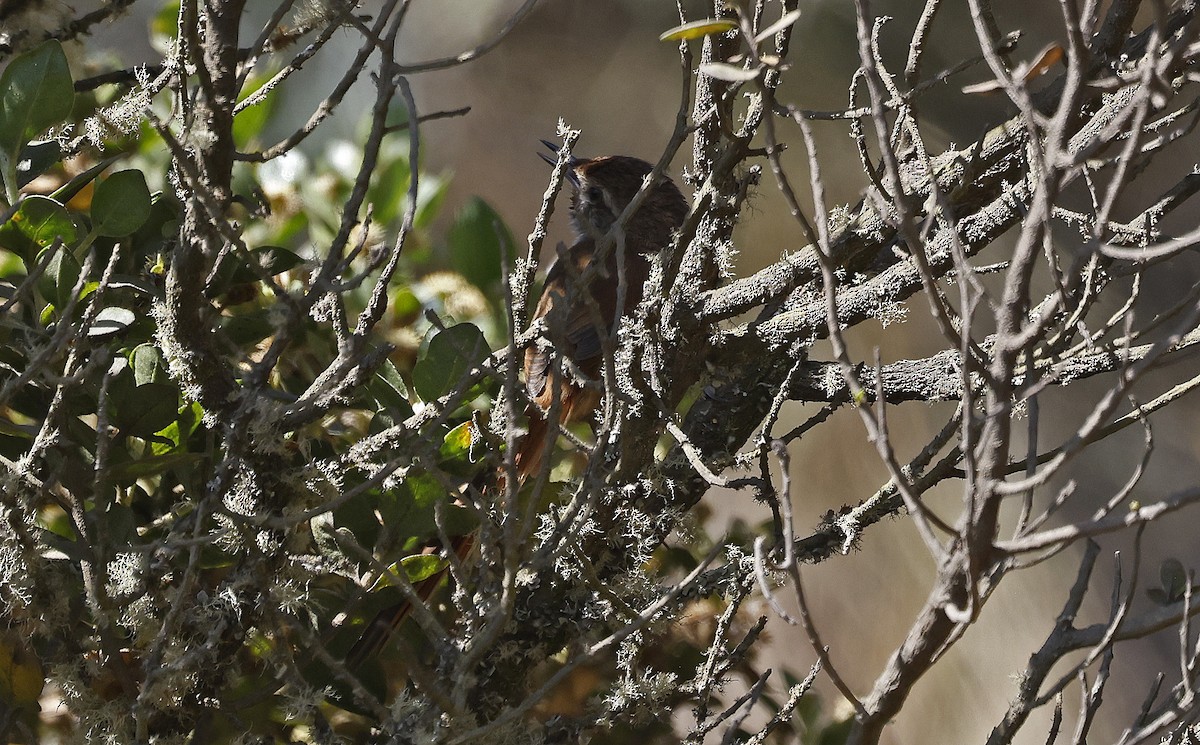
(416, 568)
(110, 321)
(248, 123)
(175, 435)
(788, 19)
(698, 29)
(35, 159)
(390, 392)
(727, 72)
(35, 225)
(457, 443)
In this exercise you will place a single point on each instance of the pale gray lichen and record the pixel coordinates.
(125, 573)
(16, 581)
(639, 698)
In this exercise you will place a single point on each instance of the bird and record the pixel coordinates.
(577, 309)
(602, 188)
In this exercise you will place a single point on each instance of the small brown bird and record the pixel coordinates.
(602, 189)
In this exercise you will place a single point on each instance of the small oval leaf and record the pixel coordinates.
(457, 443)
(146, 409)
(1173, 578)
(449, 354)
(264, 261)
(697, 29)
(147, 364)
(35, 159)
(58, 282)
(788, 19)
(728, 73)
(121, 204)
(21, 675)
(36, 92)
(389, 392)
(35, 225)
(110, 321)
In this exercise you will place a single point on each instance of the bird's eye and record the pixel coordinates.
(594, 195)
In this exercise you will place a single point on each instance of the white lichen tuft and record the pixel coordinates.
(16, 581)
(125, 573)
(124, 117)
(639, 698)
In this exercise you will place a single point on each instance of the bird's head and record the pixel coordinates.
(604, 187)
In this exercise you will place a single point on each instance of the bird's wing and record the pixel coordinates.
(569, 319)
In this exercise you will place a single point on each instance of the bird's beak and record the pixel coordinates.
(553, 160)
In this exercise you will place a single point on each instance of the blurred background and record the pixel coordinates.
(598, 65)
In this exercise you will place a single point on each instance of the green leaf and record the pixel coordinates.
(475, 243)
(147, 364)
(389, 391)
(238, 269)
(121, 204)
(145, 409)
(359, 516)
(697, 29)
(457, 443)
(409, 508)
(67, 191)
(250, 327)
(160, 230)
(449, 355)
(110, 321)
(1159, 597)
(35, 225)
(119, 525)
(388, 190)
(249, 122)
(1174, 579)
(175, 435)
(35, 159)
(57, 284)
(381, 421)
(163, 27)
(23, 431)
(151, 465)
(36, 92)
(462, 452)
(404, 304)
(409, 511)
(418, 568)
(837, 733)
(431, 192)
(21, 676)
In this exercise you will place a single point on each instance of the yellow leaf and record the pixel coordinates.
(697, 29)
(21, 678)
